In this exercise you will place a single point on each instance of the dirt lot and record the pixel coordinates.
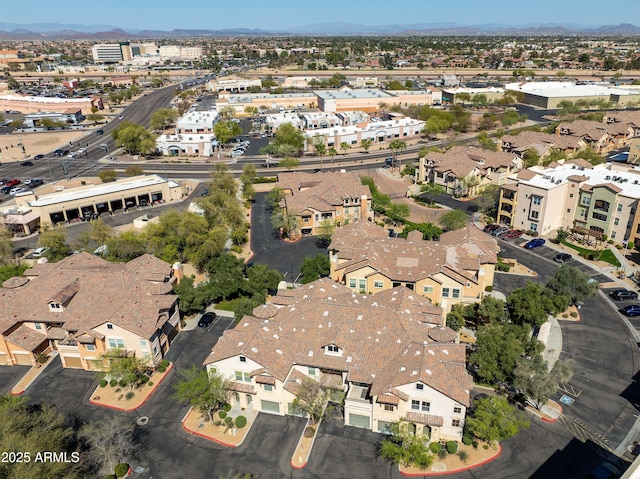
(35, 143)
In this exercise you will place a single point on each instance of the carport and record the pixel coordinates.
(116, 205)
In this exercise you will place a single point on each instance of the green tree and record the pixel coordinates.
(226, 275)
(123, 367)
(268, 82)
(365, 144)
(486, 142)
(331, 152)
(6, 246)
(202, 390)
(532, 376)
(453, 220)
(490, 310)
(572, 283)
(289, 163)
(320, 147)
(100, 232)
(288, 140)
(107, 176)
(531, 158)
(162, 118)
(125, 246)
(455, 318)
(529, 305)
(261, 279)
(429, 191)
(312, 397)
(396, 146)
(95, 118)
(192, 298)
(496, 420)
(429, 230)
(344, 146)
(247, 178)
(56, 240)
(314, 268)
(436, 125)
(135, 139)
(226, 130)
(404, 447)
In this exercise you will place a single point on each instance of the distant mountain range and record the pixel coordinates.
(41, 31)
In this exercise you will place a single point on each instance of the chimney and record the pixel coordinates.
(178, 271)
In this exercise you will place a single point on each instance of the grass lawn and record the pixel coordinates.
(227, 304)
(607, 255)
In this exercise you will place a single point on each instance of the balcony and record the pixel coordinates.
(506, 208)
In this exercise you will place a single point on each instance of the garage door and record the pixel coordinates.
(94, 364)
(23, 359)
(72, 362)
(359, 421)
(270, 406)
(384, 427)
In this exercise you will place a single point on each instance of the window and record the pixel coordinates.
(455, 422)
(568, 210)
(586, 200)
(389, 407)
(243, 359)
(378, 284)
(457, 410)
(598, 216)
(616, 221)
(415, 405)
(445, 292)
(620, 207)
(613, 235)
(426, 406)
(240, 376)
(116, 343)
(332, 348)
(338, 212)
(570, 195)
(533, 226)
(311, 371)
(268, 387)
(109, 326)
(419, 386)
(427, 289)
(90, 347)
(54, 306)
(362, 284)
(536, 200)
(534, 215)
(455, 293)
(38, 325)
(143, 343)
(352, 282)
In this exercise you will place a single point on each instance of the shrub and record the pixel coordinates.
(486, 446)
(532, 233)
(222, 414)
(573, 314)
(113, 383)
(118, 390)
(452, 447)
(228, 419)
(241, 421)
(150, 383)
(467, 440)
(129, 395)
(226, 407)
(122, 383)
(442, 453)
(164, 363)
(121, 469)
(110, 476)
(463, 455)
(475, 444)
(236, 249)
(309, 431)
(103, 383)
(435, 447)
(161, 369)
(488, 288)
(610, 241)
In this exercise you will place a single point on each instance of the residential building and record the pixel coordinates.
(324, 200)
(63, 306)
(455, 269)
(71, 204)
(389, 355)
(465, 171)
(591, 200)
(634, 151)
(593, 133)
(543, 144)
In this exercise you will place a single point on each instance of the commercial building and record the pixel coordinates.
(455, 269)
(232, 85)
(491, 93)
(388, 355)
(465, 171)
(111, 52)
(69, 205)
(35, 104)
(324, 200)
(370, 99)
(549, 95)
(40, 119)
(265, 101)
(590, 200)
(199, 121)
(190, 144)
(84, 306)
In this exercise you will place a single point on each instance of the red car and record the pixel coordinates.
(512, 234)
(12, 182)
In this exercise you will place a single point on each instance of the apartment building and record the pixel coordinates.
(324, 200)
(388, 355)
(543, 144)
(54, 306)
(455, 269)
(465, 171)
(599, 200)
(594, 134)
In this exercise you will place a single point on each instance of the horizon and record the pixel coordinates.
(157, 15)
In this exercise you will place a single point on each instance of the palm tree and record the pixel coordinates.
(344, 146)
(366, 144)
(320, 147)
(332, 152)
(395, 146)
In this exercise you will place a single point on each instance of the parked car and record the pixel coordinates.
(57, 152)
(100, 132)
(562, 258)
(34, 182)
(632, 310)
(534, 243)
(622, 294)
(27, 163)
(206, 319)
(512, 234)
(38, 157)
(501, 229)
(490, 228)
(121, 117)
(17, 189)
(39, 251)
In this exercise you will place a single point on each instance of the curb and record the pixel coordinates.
(454, 471)
(155, 386)
(301, 466)
(209, 438)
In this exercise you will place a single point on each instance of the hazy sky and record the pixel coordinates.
(281, 14)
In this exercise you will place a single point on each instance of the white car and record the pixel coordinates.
(15, 191)
(39, 252)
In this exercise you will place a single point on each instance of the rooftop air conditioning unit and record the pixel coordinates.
(558, 181)
(608, 177)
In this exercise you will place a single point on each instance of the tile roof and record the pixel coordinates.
(93, 292)
(463, 160)
(321, 191)
(427, 419)
(242, 387)
(373, 334)
(27, 338)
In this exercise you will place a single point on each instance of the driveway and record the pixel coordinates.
(9, 376)
(269, 248)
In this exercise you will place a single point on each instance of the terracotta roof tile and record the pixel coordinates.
(27, 338)
(427, 419)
